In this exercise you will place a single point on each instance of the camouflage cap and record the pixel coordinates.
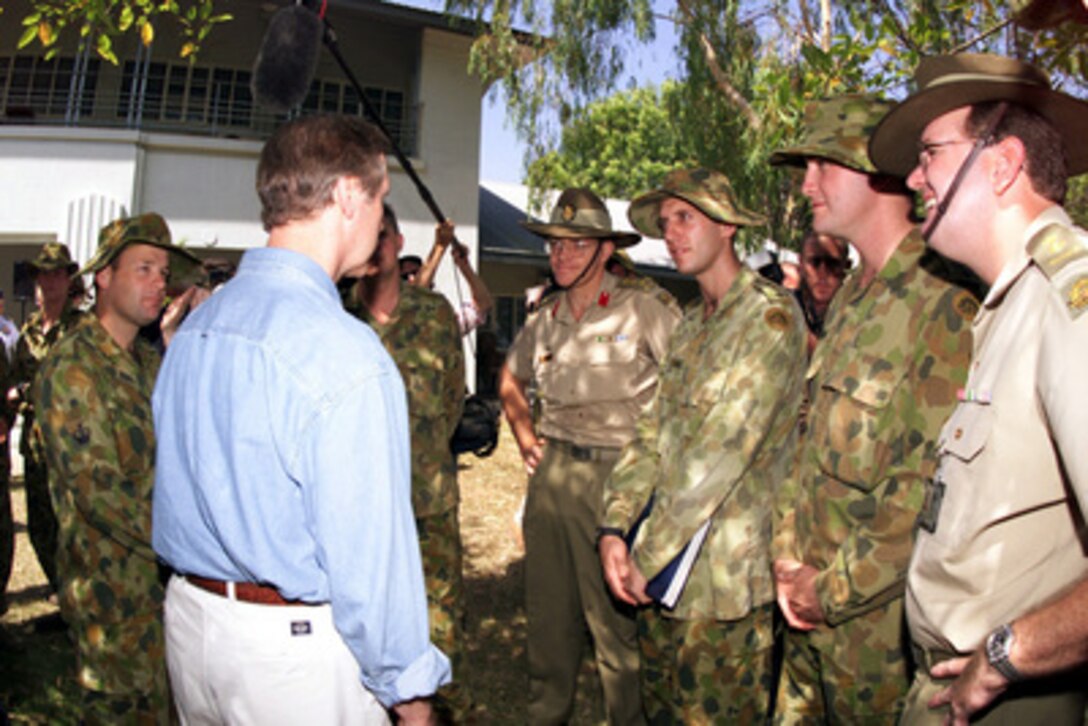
(707, 190)
(579, 213)
(148, 229)
(837, 129)
(54, 256)
(948, 82)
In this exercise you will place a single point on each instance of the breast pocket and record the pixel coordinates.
(853, 410)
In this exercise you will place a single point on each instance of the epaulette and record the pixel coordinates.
(637, 282)
(1062, 256)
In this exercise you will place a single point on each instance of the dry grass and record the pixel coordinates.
(36, 679)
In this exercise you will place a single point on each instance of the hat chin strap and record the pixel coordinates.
(984, 139)
(585, 270)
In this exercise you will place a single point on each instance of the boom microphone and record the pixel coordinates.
(287, 60)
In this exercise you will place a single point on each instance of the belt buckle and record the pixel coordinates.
(581, 453)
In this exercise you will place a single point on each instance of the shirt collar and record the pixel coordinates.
(289, 262)
(1020, 259)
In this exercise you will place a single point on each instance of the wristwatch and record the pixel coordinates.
(998, 646)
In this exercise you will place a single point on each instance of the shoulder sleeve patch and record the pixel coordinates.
(966, 305)
(1076, 296)
(777, 318)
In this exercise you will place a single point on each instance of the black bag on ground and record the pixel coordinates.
(478, 430)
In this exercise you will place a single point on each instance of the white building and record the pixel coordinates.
(83, 141)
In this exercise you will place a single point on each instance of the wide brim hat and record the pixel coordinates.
(147, 229)
(838, 130)
(948, 82)
(707, 190)
(580, 214)
(54, 256)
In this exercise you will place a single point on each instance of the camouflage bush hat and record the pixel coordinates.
(947, 82)
(54, 256)
(580, 213)
(837, 129)
(148, 229)
(707, 190)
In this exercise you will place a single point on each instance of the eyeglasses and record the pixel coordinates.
(928, 150)
(555, 246)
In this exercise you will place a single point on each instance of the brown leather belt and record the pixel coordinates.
(244, 591)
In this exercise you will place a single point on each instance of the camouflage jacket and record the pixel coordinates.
(424, 341)
(880, 385)
(710, 447)
(94, 416)
(34, 342)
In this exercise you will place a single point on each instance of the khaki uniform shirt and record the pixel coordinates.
(424, 341)
(881, 383)
(999, 535)
(594, 376)
(711, 448)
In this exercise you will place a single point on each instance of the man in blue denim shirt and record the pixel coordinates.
(282, 476)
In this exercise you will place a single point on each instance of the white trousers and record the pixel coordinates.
(234, 662)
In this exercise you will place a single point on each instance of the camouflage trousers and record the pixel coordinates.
(855, 672)
(440, 548)
(41, 519)
(706, 671)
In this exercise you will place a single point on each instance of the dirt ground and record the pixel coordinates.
(37, 668)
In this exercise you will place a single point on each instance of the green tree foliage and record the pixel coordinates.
(619, 146)
(748, 69)
(101, 21)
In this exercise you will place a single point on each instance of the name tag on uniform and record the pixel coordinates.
(301, 627)
(931, 508)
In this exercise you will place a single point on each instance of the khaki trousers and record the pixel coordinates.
(565, 592)
(1058, 701)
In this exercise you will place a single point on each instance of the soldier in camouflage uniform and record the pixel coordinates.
(55, 316)
(93, 395)
(593, 349)
(419, 329)
(708, 450)
(7, 523)
(880, 384)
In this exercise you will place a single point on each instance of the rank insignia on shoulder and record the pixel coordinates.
(777, 318)
(1077, 296)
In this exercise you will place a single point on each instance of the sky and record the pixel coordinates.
(501, 152)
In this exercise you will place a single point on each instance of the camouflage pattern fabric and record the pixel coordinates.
(440, 549)
(424, 341)
(706, 189)
(881, 383)
(838, 130)
(709, 448)
(34, 342)
(94, 406)
(705, 671)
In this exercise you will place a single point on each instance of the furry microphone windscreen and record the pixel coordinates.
(287, 60)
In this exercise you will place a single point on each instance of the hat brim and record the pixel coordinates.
(102, 258)
(568, 231)
(893, 147)
(643, 212)
(50, 266)
(797, 156)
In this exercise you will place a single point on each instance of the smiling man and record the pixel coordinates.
(593, 350)
(94, 413)
(997, 596)
(879, 385)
